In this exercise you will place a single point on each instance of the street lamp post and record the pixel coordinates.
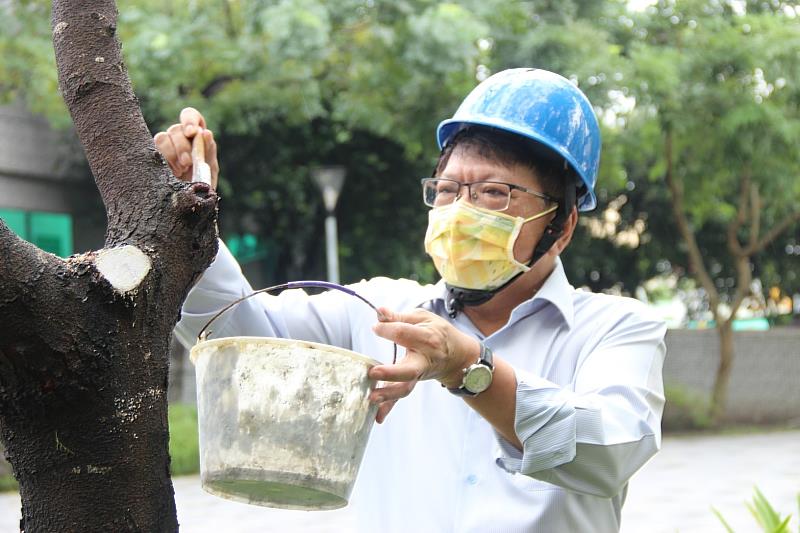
(330, 181)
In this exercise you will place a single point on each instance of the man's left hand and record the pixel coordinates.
(435, 349)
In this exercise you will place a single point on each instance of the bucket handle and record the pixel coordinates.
(203, 335)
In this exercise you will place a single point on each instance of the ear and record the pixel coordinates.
(566, 237)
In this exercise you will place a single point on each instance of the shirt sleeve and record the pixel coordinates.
(291, 314)
(592, 438)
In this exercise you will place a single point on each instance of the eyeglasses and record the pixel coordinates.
(492, 195)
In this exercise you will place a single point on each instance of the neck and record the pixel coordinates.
(489, 317)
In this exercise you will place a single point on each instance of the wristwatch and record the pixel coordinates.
(478, 376)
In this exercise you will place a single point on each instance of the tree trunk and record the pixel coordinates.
(84, 342)
(719, 394)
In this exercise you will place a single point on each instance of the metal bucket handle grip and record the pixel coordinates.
(203, 335)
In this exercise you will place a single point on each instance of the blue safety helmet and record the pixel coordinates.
(542, 106)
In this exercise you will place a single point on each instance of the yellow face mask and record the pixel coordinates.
(472, 247)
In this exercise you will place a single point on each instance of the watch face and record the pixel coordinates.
(478, 378)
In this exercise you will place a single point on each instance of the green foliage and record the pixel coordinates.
(685, 409)
(27, 70)
(184, 448)
(722, 83)
(8, 483)
(288, 84)
(769, 520)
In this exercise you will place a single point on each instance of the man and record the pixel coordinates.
(555, 395)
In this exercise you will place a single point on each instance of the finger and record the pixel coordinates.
(183, 146)
(191, 119)
(412, 317)
(392, 392)
(164, 145)
(383, 411)
(409, 369)
(408, 335)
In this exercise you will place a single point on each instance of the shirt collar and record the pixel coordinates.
(556, 290)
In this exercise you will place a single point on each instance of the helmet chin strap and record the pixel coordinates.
(457, 298)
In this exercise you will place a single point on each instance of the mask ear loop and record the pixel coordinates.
(555, 229)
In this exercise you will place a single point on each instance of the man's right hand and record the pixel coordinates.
(175, 145)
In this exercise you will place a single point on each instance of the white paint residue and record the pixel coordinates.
(99, 59)
(124, 267)
(61, 26)
(272, 405)
(92, 469)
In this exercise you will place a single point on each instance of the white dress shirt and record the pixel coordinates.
(589, 402)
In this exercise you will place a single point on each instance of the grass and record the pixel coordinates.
(183, 445)
(8, 483)
(685, 410)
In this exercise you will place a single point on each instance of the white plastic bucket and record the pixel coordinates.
(283, 423)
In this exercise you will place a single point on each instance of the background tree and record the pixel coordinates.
(291, 84)
(717, 124)
(84, 340)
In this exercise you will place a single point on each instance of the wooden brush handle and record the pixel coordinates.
(200, 169)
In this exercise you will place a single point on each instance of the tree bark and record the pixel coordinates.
(84, 341)
(719, 393)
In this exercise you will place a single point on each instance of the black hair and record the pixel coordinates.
(509, 149)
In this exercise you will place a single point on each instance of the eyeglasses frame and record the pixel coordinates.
(511, 186)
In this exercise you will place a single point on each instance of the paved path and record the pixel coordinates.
(674, 492)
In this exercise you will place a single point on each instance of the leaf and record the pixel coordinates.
(766, 516)
(728, 528)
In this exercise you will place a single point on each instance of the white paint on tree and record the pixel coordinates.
(94, 469)
(61, 26)
(124, 267)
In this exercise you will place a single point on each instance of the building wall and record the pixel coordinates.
(42, 169)
(31, 148)
(764, 380)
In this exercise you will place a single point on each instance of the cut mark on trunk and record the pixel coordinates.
(124, 267)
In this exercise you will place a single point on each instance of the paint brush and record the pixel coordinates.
(200, 170)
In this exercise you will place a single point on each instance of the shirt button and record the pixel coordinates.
(472, 479)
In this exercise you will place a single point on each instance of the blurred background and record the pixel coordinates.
(699, 196)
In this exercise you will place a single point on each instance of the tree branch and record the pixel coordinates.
(775, 232)
(736, 224)
(95, 85)
(22, 263)
(695, 256)
(755, 216)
